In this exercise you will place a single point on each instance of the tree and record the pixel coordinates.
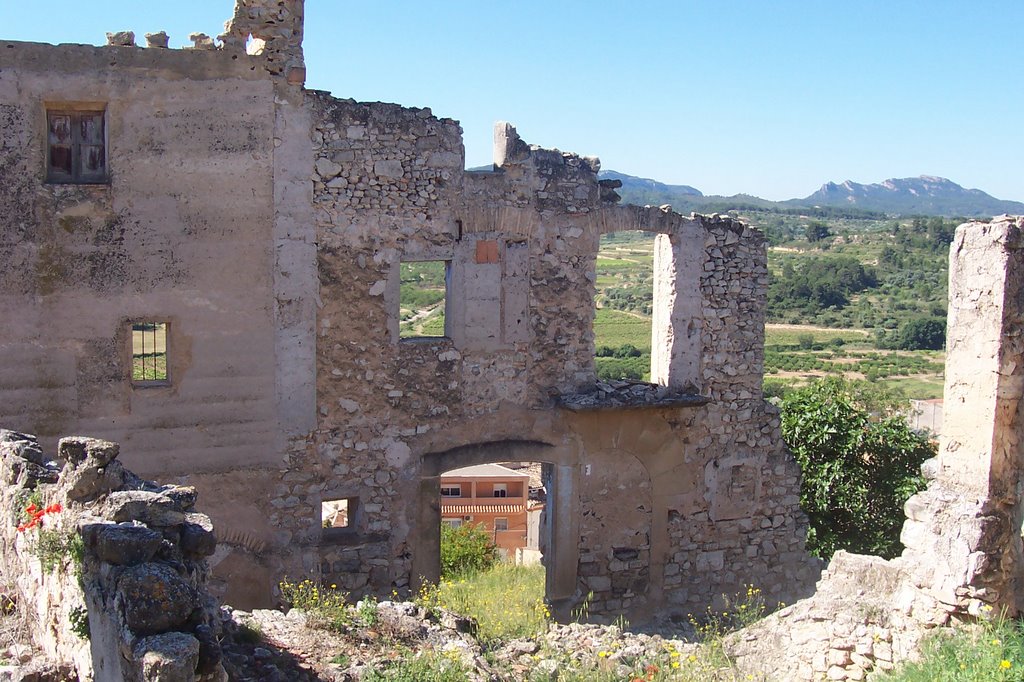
(923, 333)
(466, 549)
(860, 462)
(816, 231)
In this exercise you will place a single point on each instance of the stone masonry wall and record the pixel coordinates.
(110, 567)
(962, 535)
(389, 187)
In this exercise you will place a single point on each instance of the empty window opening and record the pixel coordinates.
(76, 147)
(338, 516)
(624, 301)
(422, 299)
(149, 353)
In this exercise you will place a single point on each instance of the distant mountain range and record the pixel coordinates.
(925, 195)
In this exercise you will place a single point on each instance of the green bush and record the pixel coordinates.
(860, 463)
(922, 334)
(466, 549)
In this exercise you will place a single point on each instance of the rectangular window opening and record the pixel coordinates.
(451, 491)
(422, 299)
(149, 353)
(624, 301)
(500, 524)
(76, 147)
(338, 515)
(454, 523)
(501, 489)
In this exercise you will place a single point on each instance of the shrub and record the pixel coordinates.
(860, 463)
(466, 549)
(922, 334)
(325, 607)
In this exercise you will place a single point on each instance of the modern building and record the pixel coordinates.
(493, 497)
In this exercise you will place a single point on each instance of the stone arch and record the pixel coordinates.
(562, 517)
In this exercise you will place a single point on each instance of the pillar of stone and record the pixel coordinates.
(963, 534)
(508, 146)
(676, 318)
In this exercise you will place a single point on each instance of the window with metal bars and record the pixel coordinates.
(76, 147)
(149, 353)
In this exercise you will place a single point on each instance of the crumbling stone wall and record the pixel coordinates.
(389, 187)
(270, 225)
(111, 568)
(962, 534)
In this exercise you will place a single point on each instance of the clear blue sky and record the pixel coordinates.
(767, 98)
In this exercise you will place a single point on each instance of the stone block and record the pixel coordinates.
(155, 599)
(169, 657)
(159, 39)
(121, 39)
(197, 538)
(125, 544)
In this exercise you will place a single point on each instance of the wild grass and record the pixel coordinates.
(990, 652)
(507, 601)
(325, 605)
(427, 666)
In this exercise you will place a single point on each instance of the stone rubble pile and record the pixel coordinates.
(628, 393)
(287, 649)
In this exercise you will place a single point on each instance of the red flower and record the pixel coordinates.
(31, 508)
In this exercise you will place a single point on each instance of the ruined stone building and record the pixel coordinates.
(258, 227)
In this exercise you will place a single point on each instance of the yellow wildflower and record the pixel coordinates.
(1005, 664)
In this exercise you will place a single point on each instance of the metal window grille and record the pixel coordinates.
(149, 352)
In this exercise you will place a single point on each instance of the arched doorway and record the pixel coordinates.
(560, 531)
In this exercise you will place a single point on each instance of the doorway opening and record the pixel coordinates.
(493, 534)
(506, 501)
(556, 525)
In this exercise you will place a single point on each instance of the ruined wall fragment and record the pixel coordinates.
(112, 568)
